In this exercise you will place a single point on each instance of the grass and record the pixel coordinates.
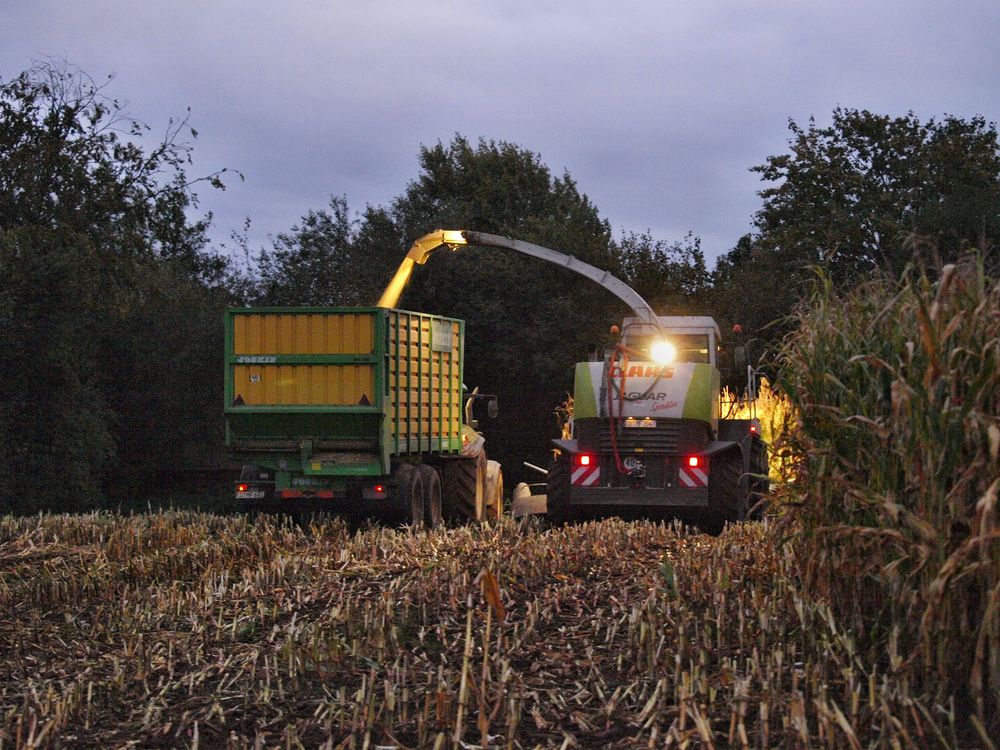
(179, 629)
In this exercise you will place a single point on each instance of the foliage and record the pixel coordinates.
(92, 230)
(777, 423)
(311, 264)
(852, 197)
(670, 276)
(897, 388)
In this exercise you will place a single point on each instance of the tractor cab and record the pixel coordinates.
(688, 339)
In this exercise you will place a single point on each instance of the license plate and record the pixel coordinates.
(646, 423)
(250, 495)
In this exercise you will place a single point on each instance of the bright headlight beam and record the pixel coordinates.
(663, 352)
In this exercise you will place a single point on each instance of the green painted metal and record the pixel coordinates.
(702, 400)
(310, 425)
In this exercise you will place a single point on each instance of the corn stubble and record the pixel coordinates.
(186, 630)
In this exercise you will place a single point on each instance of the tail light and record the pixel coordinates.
(242, 487)
(584, 459)
(694, 462)
(377, 491)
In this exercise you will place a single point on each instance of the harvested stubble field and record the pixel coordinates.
(190, 630)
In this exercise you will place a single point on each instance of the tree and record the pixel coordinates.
(862, 196)
(527, 322)
(671, 277)
(92, 228)
(311, 264)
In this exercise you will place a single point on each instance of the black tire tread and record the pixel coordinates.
(459, 487)
(724, 501)
(408, 508)
(433, 509)
(557, 493)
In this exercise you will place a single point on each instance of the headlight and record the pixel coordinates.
(663, 352)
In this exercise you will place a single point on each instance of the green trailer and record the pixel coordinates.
(359, 410)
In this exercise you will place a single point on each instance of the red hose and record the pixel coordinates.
(621, 406)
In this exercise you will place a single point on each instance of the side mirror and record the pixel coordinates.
(740, 358)
(492, 408)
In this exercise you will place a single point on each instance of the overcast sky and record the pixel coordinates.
(657, 109)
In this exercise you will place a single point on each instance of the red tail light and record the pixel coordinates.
(694, 461)
(241, 488)
(380, 488)
(584, 459)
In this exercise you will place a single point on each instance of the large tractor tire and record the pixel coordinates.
(759, 484)
(433, 514)
(408, 508)
(464, 488)
(727, 500)
(557, 493)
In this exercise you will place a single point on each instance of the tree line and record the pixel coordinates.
(111, 294)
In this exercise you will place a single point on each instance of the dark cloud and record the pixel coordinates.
(658, 110)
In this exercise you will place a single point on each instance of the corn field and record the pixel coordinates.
(896, 392)
(864, 612)
(179, 629)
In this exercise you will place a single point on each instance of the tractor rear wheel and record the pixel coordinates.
(760, 485)
(557, 493)
(726, 500)
(432, 496)
(464, 488)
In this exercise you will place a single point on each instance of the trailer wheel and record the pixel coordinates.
(409, 505)
(557, 493)
(432, 495)
(464, 488)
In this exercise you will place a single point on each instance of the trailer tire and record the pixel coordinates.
(464, 488)
(409, 505)
(432, 496)
(557, 494)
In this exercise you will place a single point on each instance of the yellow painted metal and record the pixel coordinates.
(287, 385)
(304, 333)
(425, 381)
(321, 333)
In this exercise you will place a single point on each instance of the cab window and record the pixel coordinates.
(691, 347)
